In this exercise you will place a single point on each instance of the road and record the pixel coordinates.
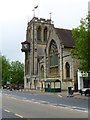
(27, 105)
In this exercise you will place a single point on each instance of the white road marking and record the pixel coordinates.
(11, 97)
(51, 104)
(24, 98)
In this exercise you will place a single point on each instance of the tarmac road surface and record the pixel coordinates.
(18, 106)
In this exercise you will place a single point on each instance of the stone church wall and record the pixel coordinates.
(41, 56)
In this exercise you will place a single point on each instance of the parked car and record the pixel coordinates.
(4, 87)
(9, 88)
(85, 91)
(16, 87)
(21, 87)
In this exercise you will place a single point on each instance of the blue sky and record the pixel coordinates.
(14, 15)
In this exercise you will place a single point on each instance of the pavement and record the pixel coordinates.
(75, 95)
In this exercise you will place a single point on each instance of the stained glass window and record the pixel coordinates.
(53, 54)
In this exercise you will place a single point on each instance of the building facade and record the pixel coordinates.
(83, 80)
(48, 58)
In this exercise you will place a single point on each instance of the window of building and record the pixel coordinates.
(53, 54)
(39, 33)
(45, 34)
(42, 72)
(67, 70)
(27, 80)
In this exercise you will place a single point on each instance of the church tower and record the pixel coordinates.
(37, 34)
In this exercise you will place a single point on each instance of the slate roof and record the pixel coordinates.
(66, 37)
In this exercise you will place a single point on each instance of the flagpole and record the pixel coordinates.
(38, 10)
(34, 11)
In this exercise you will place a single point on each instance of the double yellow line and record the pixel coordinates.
(6, 110)
(19, 115)
(14, 114)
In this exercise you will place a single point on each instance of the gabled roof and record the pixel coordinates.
(66, 37)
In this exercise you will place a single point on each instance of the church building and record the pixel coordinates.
(48, 64)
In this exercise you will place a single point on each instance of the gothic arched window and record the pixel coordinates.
(67, 70)
(45, 34)
(39, 33)
(42, 72)
(53, 52)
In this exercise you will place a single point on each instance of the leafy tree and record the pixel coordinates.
(17, 72)
(12, 72)
(5, 70)
(81, 50)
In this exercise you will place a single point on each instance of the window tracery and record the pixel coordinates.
(53, 58)
(53, 54)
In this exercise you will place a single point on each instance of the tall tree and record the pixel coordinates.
(5, 70)
(17, 72)
(81, 50)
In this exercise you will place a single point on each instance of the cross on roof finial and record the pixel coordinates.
(50, 15)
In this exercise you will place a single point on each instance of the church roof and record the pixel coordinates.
(66, 37)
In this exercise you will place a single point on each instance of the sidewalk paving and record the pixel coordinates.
(76, 95)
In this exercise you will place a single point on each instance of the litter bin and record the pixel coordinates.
(70, 92)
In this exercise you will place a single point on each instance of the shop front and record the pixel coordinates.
(83, 80)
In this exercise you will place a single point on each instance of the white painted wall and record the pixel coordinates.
(80, 79)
